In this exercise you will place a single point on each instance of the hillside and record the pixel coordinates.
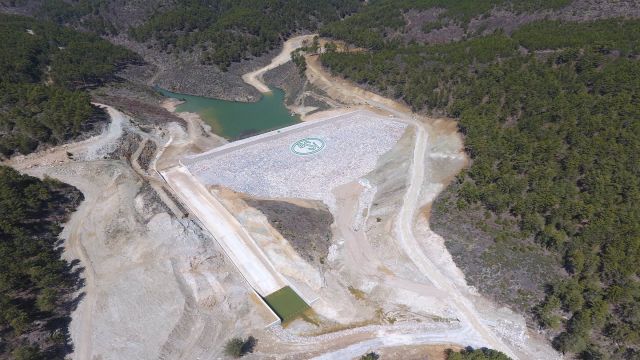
(549, 111)
(43, 69)
(37, 285)
(192, 46)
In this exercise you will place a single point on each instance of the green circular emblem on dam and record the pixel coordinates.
(307, 146)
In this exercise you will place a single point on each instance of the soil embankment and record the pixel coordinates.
(187, 75)
(308, 229)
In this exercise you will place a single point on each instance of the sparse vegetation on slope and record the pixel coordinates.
(476, 354)
(87, 14)
(308, 230)
(554, 137)
(374, 26)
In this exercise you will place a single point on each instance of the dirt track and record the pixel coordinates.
(254, 78)
(411, 247)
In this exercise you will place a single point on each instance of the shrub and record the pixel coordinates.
(237, 347)
(370, 356)
(233, 347)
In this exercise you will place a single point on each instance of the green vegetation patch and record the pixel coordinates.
(286, 303)
(470, 353)
(603, 35)
(36, 284)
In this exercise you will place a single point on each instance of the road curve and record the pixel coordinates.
(411, 246)
(254, 78)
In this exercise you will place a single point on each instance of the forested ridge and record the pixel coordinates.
(376, 24)
(216, 32)
(87, 15)
(551, 119)
(43, 69)
(36, 285)
(231, 30)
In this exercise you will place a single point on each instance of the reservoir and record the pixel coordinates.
(233, 119)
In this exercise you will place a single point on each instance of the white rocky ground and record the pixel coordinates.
(268, 168)
(157, 286)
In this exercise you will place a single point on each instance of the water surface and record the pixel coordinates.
(233, 119)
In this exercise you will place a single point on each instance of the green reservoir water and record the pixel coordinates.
(232, 119)
(286, 303)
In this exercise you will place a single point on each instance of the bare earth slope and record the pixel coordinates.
(154, 283)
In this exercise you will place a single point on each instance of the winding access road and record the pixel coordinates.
(404, 229)
(254, 78)
(469, 317)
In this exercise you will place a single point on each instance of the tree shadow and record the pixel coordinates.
(58, 324)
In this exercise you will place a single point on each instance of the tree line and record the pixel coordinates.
(36, 284)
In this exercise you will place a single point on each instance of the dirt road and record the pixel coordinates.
(94, 147)
(254, 78)
(404, 228)
(151, 279)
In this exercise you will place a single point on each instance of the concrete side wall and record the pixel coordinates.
(271, 135)
(234, 239)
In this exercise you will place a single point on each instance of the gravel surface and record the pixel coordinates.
(268, 168)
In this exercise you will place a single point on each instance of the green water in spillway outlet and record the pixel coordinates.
(233, 119)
